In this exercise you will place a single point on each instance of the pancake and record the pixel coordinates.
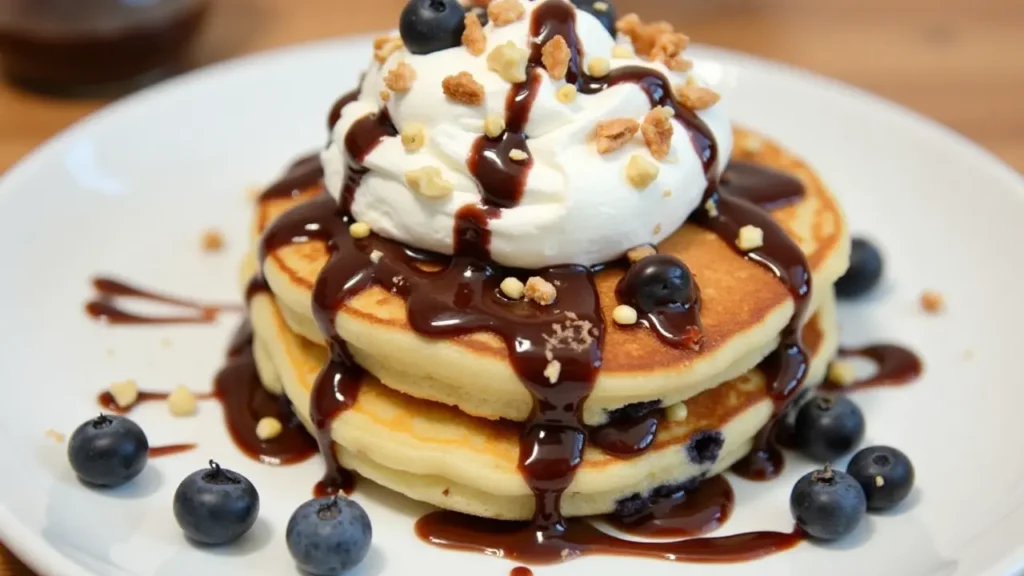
(744, 308)
(435, 453)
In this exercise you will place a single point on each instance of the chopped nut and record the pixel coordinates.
(598, 67)
(268, 428)
(512, 288)
(752, 145)
(657, 131)
(400, 78)
(622, 51)
(750, 238)
(553, 371)
(614, 134)
(842, 372)
(643, 35)
(712, 208)
(600, 6)
(213, 241)
(694, 96)
(505, 12)
(932, 302)
(182, 402)
(464, 89)
(666, 194)
(55, 436)
(359, 230)
(566, 94)
(657, 229)
(879, 481)
(414, 136)
(640, 252)
(385, 46)
(624, 315)
(125, 393)
(667, 47)
(641, 172)
(540, 291)
(473, 37)
(494, 125)
(677, 412)
(518, 155)
(678, 64)
(555, 56)
(509, 61)
(385, 96)
(429, 182)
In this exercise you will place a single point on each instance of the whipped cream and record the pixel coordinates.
(577, 206)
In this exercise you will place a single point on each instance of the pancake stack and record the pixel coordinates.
(431, 388)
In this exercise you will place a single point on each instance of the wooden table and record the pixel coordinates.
(958, 61)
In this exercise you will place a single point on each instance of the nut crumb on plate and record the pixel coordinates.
(212, 241)
(473, 38)
(555, 56)
(464, 89)
(268, 428)
(932, 302)
(182, 402)
(640, 172)
(615, 133)
(400, 78)
(540, 291)
(125, 393)
(55, 436)
(624, 315)
(429, 182)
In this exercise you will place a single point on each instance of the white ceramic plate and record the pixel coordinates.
(129, 190)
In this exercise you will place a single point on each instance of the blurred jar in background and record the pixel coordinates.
(85, 46)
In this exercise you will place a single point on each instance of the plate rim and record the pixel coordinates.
(38, 554)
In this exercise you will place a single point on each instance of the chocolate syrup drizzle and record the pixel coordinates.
(895, 365)
(458, 295)
(170, 450)
(106, 305)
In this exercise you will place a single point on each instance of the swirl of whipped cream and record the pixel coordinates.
(577, 206)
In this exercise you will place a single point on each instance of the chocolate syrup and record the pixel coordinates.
(245, 401)
(107, 402)
(106, 305)
(761, 185)
(161, 451)
(895, 366)
(521, 571)
(690, 512)
(335, 114)
(304, 172)
(516, 541)
(626, 437)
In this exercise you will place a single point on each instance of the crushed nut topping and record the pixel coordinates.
(693, 96)
(750, 238)
(622, 51)
(125, 393)
(509, 61)
(359, 230)
(182, 402)
(932, 302)
(842, 372)
(518, 155)
(555, 56)
(614, 134)
(599, 67)
(212, 241)
(429, 182)
(375, 256)
(657, 131)
(640, 172)
(667, 49)
(54, 435)
(494, 125)
(566, 94)
(657, 229)
(640, 252)
(268, 428)
(513, 288)
(600, 6)
(553, 371)
(575, 334)
(414, 137)
(711, 207)
(677, 412)
(473, 38)
(400, 78)
(540, 291)
(464, 89)
(624, 315)
(385, 46)
(505, 12)
(385, 96)
(644, 35)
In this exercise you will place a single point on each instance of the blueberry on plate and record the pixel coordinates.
(602, 10)
(215, 505)
(884, 473)
(328, 536)
(108, 451)
(656, 282)
(432, 25)
(827, 504)
(865, 270)
(828, 427)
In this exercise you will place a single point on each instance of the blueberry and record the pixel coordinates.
(328, 536)
(885, 474)
(827, 504)
(215, 505)
(655, 282)
(432, 25)
(606, 16)
(108, 451)
(828, 427)
(865, 270)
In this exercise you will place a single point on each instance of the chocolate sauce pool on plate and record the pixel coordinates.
(110, 293)
(895, 365)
